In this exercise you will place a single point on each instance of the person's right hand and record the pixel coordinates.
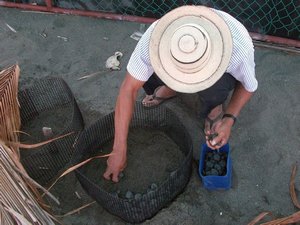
(116, 163)
(219, 134)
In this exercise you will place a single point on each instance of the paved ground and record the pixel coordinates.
(265, 141)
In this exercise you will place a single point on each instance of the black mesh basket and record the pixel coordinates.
(136, 211)
(48, 103)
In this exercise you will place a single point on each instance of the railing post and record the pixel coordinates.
(48, 4)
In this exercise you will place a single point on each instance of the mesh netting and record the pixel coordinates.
(136, 210)
(276, 17)
(49, 104)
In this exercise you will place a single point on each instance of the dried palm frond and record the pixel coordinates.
(20, 200)
(18, 203)
(9, 109)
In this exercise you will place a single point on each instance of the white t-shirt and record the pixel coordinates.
(241, 65)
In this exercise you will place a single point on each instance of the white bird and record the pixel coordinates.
(113, 62)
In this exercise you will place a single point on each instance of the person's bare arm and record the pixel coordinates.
(123, 114)
(238, 100)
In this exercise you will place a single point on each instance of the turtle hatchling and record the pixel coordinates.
(113, 62)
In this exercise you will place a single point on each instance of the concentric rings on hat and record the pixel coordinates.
(190, 48)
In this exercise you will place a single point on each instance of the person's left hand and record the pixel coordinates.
(222, 129)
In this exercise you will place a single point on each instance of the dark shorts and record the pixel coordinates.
(211, 97)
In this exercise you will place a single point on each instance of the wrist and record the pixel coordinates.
(228, 117)
(119, 148)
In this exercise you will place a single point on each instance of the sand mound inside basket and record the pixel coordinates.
(151, 157)
(57, 119)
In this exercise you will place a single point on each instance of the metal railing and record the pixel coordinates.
(271, 21)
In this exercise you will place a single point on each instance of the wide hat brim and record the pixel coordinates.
(190, 48)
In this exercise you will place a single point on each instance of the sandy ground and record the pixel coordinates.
(265, 141)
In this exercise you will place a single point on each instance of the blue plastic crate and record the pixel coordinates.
(215, 182)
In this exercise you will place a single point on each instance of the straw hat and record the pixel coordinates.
(190, 48)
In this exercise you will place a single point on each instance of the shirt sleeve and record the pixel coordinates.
(139, 65)
(244, 72)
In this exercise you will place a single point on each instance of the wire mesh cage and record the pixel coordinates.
(279, 18)
(48, 110)
(148, 203)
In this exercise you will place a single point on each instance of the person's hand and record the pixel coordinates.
(116, 163)
(219, 134)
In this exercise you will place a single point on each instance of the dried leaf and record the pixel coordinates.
(292, 187)
(30, 146)
(11, 28)
(76, 210)
(76, 167)
(259, 218)
(17, 216)
(294, 218)
(93, 74)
